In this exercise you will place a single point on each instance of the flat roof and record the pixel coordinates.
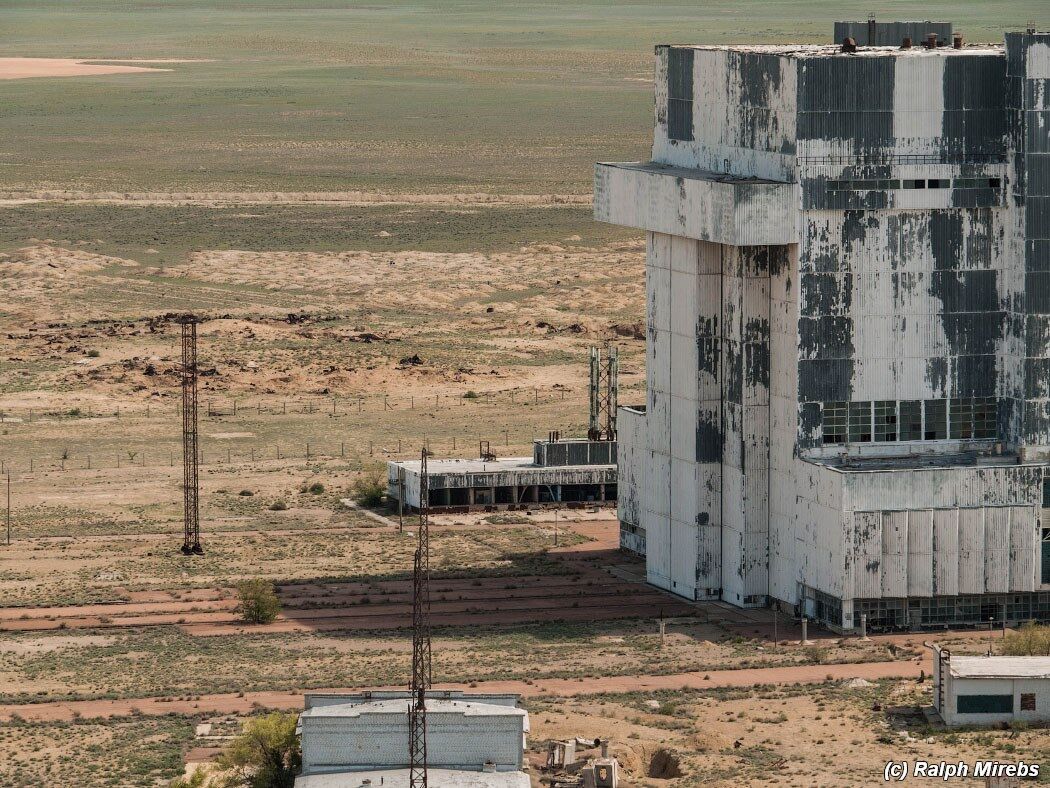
(687, 173)
(835, 50)
(399, 705)
(500, 465)
(1000, 667)
(399, 778)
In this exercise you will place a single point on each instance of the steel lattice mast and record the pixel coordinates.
(191, 528)
(421, 663)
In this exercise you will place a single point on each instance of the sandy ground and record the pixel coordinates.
(233, 704)
(30, 67)
(355, 198)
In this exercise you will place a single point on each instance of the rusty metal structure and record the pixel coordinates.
(191, 528)
(603, 394)
(421, 652)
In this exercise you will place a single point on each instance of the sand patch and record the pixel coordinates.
(43, 645)
(30, 67)
(230, 435)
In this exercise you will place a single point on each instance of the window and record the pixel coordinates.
(680, 94)
(984, 418)
(1027, 701)
(960, 419)
(994, 183)
(914, 184)
(911, 420)
(984, 704)
(1045, 545)
(860, 422)
(936, 423)
(1046, 496)
(834, 422)
(937, 183)
(885, 421)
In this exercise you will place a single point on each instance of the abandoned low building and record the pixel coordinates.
(564, 472)
(990, 690)
(474, 740)
(848, 328)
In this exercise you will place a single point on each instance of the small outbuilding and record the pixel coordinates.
(990, 690)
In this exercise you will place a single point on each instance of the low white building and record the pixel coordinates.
(990, 690)
(473, 741)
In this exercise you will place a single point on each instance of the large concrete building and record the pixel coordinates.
(848, 311)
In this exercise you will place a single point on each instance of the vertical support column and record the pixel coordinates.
(709, 437)
(745, 392)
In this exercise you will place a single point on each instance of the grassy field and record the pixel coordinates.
(407, 95)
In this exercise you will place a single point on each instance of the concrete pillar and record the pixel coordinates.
(805, 633)
(864, 626)
(470, 496)
(601, 492)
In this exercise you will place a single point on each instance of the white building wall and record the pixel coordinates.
(1015, 687)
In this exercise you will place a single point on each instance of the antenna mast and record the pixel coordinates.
(191, 526)
(603, 394)
(421, 663)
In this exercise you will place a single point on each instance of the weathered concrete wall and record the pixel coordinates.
(693, 204)
(736, 114)
(631, 437)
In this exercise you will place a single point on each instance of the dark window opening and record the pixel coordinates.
(885, 421)
(1045, 553)
(834, 422)
(984, 704)
(936, 422)
(911, 420)
(994, 183)
(914, 184)
(1028, 701)
(937, 183)
(860, 422)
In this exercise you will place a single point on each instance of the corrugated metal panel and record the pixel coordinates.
(946, 552)
(920, 553)
(895, 554)
(867, 555)
(1024, 548)
(971, 551)
(684, 552)
(997, 550)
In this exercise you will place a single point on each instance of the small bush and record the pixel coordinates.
(258, 601)
(818, 655)
(1030, 640)
(369, 489)
(278, 506)
(470, 395)
(93, 354)
(246, 493)
(316, 488)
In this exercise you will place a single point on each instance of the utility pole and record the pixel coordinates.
(421, 653)
(191, 528)
(9, 508)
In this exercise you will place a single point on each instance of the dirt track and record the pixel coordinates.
(234, 704)
(277, 198)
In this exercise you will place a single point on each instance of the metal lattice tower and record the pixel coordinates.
(603, 394)
(191, 526)
(421, 662)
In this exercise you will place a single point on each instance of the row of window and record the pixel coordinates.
(914, 183)
(973, 418)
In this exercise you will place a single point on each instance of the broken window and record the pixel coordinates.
(860, 422)
(911, 420)
(936, 421)
(984, 418)
(834, 422)
(885, 421)
(1027, 701)
(960, 419)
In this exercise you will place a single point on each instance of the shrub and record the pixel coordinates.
(265, 755)
(369, 489)
(818, 655)
(93, 354)
(1030, 640)
(246, 493)
(258, 601)
(471, 395)
(316, 488)
(278, 506)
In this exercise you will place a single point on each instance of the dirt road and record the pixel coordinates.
(234, 704)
